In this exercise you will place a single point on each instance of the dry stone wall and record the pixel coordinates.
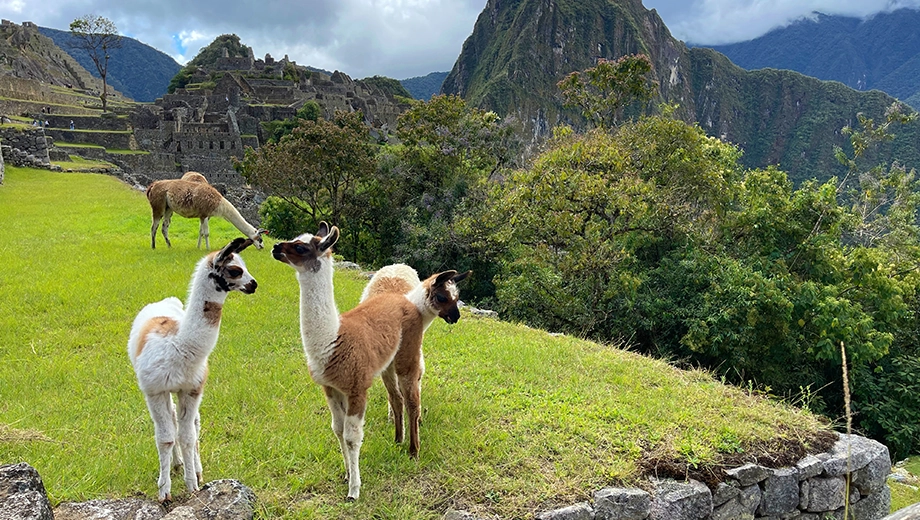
(813, 489)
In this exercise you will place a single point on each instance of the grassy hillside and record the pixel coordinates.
(515, 420)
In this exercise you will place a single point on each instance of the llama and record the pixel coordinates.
(169, 349)
(403, 279)
(193, 197)
(381, 335)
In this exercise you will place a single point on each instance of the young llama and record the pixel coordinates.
(193, 197)
(169, 348)
(382, 335)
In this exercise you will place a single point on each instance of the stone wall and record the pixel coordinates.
(25, 147)
(814, 489)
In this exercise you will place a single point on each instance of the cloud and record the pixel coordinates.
(713, 22)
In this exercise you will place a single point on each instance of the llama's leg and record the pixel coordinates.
(177, 460)
(337, 403)
(167, 217)
(165, 434)
(395, 400)
(354, 437)
(198, 447)
(153, 232)
(188, 435)
(410, 386)
(204, 232)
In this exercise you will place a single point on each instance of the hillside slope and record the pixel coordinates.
(520, 49)
(881, 52)
(135, 69)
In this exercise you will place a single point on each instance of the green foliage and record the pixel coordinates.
(320, 168)
(277, 129)
(181, 79)
(602, 92)
(208, 56)
(389, 86)
(283, 220)
(656, 234)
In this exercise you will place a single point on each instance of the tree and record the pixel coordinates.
(97, 36)
(320, 169)
(604, 91)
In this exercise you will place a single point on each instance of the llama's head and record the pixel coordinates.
(228, 271)
(257, 239)
(443, 295)
(308, 253)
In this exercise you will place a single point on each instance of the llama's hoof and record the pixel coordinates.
(165, 501)
(350, 498)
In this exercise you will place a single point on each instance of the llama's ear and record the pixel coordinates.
(444, 277)
(246, 243)
(460, 277)
(323, 229)
(226, 253)
(329, 239)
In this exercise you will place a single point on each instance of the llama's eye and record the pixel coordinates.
(301, 250)
(440, 298)
(234, 272)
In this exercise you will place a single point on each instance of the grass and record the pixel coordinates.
(515, 420)
(906, 493)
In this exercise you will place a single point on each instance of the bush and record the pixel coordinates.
(284, 221)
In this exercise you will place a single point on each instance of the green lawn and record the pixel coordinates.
(515, 420)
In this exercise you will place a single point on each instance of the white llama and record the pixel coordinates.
(169, 349)
(382, 335)
(193, 197)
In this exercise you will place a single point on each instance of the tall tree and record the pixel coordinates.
(97, 35)
(604, 91)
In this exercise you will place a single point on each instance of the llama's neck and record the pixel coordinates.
(419, 297)
(227, 211)
(319, 316)
(200, 327)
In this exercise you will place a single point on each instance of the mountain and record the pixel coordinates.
(136, 70)
(881, 52)
(520, 49)
(423, 87)
(29, 55)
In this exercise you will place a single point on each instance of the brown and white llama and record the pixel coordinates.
(169, 348)
(383, 334)
(403, 279)
(193, 197)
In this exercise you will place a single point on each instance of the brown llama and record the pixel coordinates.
(193, 197)
(383, 334)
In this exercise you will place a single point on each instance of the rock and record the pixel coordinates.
(780, 492)
(873, 506)
(22, 493)
(860, 451)
(124, 509)
(621, 504)
(824, 494)
(748, 474)
(217, 500)
(581, 511)
(684, 500)
(908, 513)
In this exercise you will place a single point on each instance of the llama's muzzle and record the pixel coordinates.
(250, 287)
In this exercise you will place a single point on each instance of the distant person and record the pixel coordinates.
(71, 124)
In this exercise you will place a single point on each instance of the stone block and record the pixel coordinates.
(810, 466)
(725, 492)
(621, 504)
(581, 511)
(22, 493)
(780, 492)
(748, 474)
(674, 500)
(871, 478)
(825, 494)
(872, 507)
(124, 509)
(852, 453)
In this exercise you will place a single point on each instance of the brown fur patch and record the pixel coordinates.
(161, 326)
(212, 311)
(389, 285)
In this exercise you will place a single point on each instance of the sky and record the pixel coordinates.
(395, 38)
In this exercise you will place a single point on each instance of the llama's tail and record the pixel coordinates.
(394, 278)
